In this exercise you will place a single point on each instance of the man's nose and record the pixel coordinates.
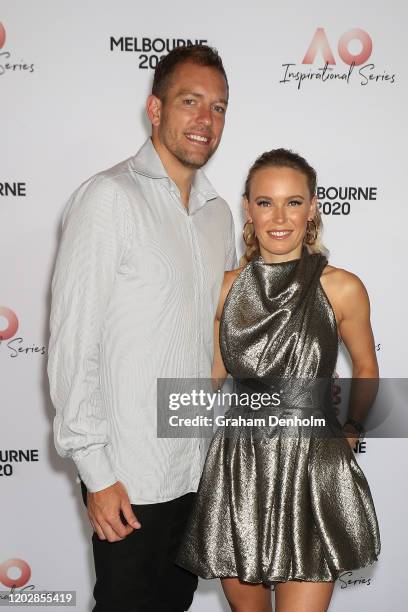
(205, 116)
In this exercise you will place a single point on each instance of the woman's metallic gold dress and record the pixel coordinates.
(278, 507)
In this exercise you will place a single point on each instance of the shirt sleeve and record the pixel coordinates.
(92, 242)
(231, 261)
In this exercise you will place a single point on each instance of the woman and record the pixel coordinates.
(290, 510)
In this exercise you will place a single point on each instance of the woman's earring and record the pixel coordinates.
(248, 232)
(311, 232)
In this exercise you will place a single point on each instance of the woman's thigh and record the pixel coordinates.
(246, 597)
(303, 596)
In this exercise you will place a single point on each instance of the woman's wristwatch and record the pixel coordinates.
(357, 426)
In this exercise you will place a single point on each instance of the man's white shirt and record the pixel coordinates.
(134, 294)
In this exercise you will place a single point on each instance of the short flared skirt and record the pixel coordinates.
(277, 509)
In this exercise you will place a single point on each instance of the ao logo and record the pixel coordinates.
(8, 323)
(2, 35)
(22, 566)
(320, 43)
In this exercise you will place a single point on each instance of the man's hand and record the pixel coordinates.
(104, 509)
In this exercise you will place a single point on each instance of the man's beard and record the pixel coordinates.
(183, 155)
(188, 160)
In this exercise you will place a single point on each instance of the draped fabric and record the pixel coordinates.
(281, 505)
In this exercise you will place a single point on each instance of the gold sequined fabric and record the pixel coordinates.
(277, 507)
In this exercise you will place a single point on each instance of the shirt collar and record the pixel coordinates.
(147, 162)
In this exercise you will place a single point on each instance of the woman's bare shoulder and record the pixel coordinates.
(227, 282)
(343, 282)
(230, 276)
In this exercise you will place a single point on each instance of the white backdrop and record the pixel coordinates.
(71, 105)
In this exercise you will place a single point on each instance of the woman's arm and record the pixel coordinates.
(352, 308)
(355, 327)
(219, 373)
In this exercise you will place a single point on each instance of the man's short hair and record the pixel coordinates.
(202, 55)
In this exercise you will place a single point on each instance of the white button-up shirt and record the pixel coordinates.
(134, 294)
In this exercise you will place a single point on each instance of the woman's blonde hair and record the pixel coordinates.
(283, 158)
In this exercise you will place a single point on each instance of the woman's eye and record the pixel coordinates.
(295, 203)
(188, 101)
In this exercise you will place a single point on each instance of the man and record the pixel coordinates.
(135, 289)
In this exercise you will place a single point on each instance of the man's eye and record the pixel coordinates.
(188, 101)
(263, 203)
(294, 203)
(219, 109)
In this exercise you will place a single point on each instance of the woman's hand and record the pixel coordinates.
(351, 435)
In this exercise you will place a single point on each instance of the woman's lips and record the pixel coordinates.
(279, 234)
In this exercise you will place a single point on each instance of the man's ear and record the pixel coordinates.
(153, 109)
(246, 209)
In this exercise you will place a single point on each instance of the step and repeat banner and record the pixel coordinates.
(324, 79)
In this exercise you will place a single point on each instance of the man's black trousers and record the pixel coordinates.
(138, 574)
